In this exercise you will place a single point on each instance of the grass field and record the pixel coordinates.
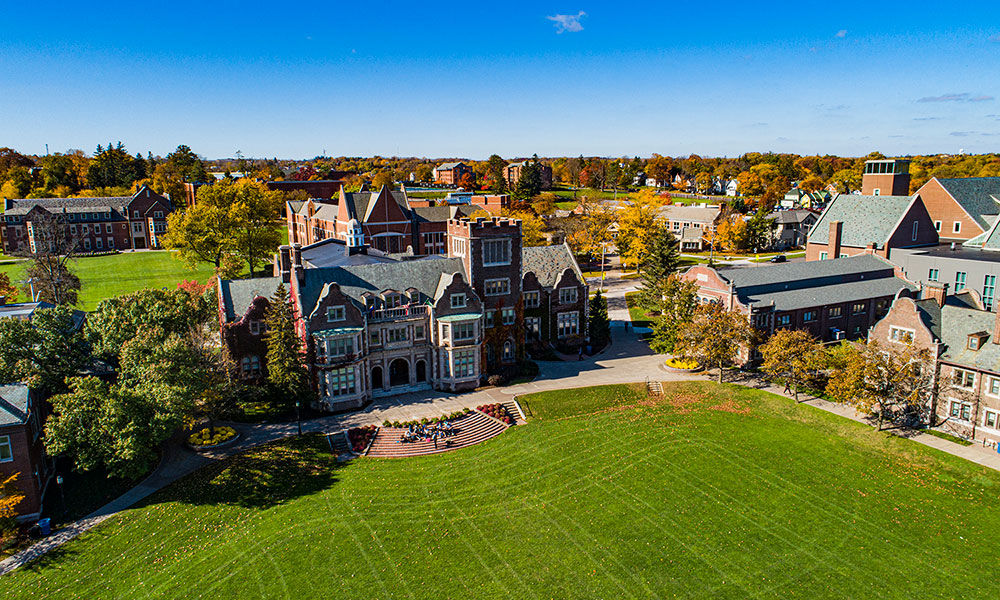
(106, 276)
(713, 492)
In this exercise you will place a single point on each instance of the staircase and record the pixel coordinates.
(654, 388)
(338, 442)
(471, 429)
(514, 410)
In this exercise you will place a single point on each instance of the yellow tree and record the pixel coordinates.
(792, 356)
(532, 227)
(639, 226)
(10, 496)
(732, 233)
(715, 337)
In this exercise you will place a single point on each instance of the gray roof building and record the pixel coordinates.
(548, 263)
(978, 196)
(14, 404)
(866, 219)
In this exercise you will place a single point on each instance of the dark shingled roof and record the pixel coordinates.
(549, 262)
(954, 322)
(238, 294)
(866, 219)
(13, 404)
(23, 206)
(974, 194)
(436, 214)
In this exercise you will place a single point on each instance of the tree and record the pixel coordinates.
(703, 180)
(286, 371)
(792, 356)
(759, 231)
(811, 183)
(112, 167)
(10, 497)
(255, 237)
(7, 289)
(599, 324)
(656, 268)
(731, 233)
(750, 184)
(467, 181)
(715, 336)
(181, 166)
(382, 179)
(675, 301)
(529, 181)
(48, 269)
(639, 226)
(887, 383)
(18, 183)
(532, 227)
(495, 177)
(42, 352)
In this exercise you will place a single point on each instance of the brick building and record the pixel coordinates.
(390, 327)
(887, 177)
(116, 223)
(513, 173)
(961, 208)
(853, 225)
(833, 300)
(451, 173)
(22, 419)
(963, 340)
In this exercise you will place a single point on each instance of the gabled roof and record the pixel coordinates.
(333, 252)
(549, 262)
(22, 206)
(866, 219)
(683, 212)
(793, 216)
(448, 165)
(238, 294)
(424, 214)
(954, 322)
(14, 404)
(976, 195)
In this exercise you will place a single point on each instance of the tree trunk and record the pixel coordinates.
(720, 372)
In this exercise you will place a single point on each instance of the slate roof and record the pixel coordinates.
(14, 404)
(791, 217)
(333, 252)
(866, 219)
(26, 310)
(75, 205)
(975, 195)
(795, 285)
(238, 294)
(953, 323)
(549, 262)
(355, 280)
(424, 214)
(447, 165)
(679, 212)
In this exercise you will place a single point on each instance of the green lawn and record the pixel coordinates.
(106, 276)
(712, 492)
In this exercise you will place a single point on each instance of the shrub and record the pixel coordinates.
(495, 380)
(360, 437)
(682, 363)
(204, 437)
(497, 411)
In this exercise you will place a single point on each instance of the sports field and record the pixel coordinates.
(711, 492)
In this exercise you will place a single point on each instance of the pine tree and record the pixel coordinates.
(661, 262)
(599, 325)
(286, 371)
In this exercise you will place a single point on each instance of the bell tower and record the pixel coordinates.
(889, 177)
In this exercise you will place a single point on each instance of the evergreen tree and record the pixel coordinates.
(286, 371)
(529, 182)
(495, 174)
(599, 324)
(658, 265)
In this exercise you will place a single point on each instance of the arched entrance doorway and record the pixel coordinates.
(377, 383)
(399, 372)
(421, 371)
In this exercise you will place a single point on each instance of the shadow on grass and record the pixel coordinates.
(262, 477)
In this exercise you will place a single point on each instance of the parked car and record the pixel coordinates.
(777, 259)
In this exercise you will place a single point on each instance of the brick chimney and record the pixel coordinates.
(300, 273)
(937, 291)
(871, 248)
(284, 263)
(833, 243)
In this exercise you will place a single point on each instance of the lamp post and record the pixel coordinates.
(62, 494)
(298, 415)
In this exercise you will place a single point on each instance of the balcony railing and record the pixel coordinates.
(400, 312)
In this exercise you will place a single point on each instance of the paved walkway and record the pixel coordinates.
(626, 360)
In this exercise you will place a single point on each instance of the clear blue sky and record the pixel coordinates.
(455, 79)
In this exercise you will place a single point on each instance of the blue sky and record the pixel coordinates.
(516, 78)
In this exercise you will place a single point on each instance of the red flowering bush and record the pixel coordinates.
(360, 437)
(497, 411)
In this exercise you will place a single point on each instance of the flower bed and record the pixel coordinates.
(427, 421)
(205, 439)
(497, 411)
(360, 437)
(682, 364)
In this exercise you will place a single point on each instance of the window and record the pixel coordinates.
(497, 287)
(86, 243)
(158, 214)
(458, 300)
(464, 331)
(6, 450)
(137, 227)
(508, 315)
(508, 350)
(107, 228)
(960, 280)
(532, 328)
(937, 225)
(989, 286)
(251, 365)
(842, 255)
(496, 252)
(900, 335)
(973, 342)
(256, 327)
(568, 323)
(822, 255)
(859, 308)
(374, 339)
(916, 225)
(99, 243)
(135, 214)
(531, 299)
(876, 192)
(341, 346)
(418, 332)
(489, 317)
(964, 379)
(86, 229)
(784, 320)
(834, 312)
(990, 419)
(340, 382)
(111, 242)
(464, 363)
(994, 386)
(961, 410)
(336, 313)
(396, 334)
(392, 300)
(932, 275)
(567, 295)
(956, 227)
(72, 229)
(458, 246)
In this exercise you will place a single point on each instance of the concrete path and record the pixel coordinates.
(626, 360)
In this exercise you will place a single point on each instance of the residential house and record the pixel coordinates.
(963, 340)
(694, 220)
(853, 225)
(22, 419)
(791, 227)
(513, 173)
(962, 208)
(451, 173)
(733, 187)
(833, 300)
(112, 223)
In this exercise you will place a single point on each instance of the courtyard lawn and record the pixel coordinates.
(636, 313)
(106, 276)
(711, 492)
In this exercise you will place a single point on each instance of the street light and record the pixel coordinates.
(298, 415)
(62, 494)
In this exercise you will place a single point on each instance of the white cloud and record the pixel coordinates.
(964, 97)
(842, 33)
(569, 23)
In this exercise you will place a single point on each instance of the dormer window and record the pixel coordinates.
(458, 300)
(256, 327)
(336, 313)
(391, 300)
(976, 340)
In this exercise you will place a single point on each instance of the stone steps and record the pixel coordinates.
(471, 429)
(514, 410)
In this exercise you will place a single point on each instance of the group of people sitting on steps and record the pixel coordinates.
(416, 433)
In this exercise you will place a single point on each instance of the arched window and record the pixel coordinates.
(508, 350)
